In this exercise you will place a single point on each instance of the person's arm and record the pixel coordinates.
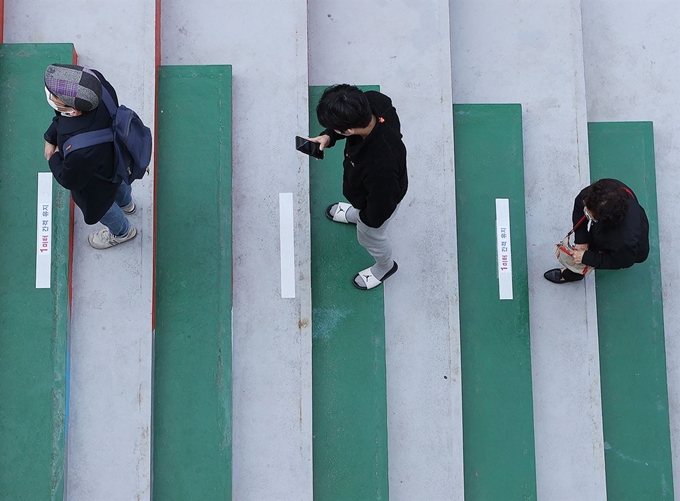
(323, 141)
(68, 173)
(333, 136)
(381, 201)
(613, 260)
(51, 132)
(50, 149)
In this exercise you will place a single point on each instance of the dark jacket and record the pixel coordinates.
(86, 172)
(613, 247)
(374, 178)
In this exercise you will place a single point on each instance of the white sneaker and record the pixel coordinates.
(103, 239)
(129, 208)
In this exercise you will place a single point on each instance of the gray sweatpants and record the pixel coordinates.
(377, 243)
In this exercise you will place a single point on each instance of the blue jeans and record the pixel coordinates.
(115, 219)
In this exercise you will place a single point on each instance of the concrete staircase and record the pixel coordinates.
(567, 64)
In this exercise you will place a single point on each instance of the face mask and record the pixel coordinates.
(55, 107)
(49, 101)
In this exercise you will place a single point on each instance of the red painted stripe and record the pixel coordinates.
(2, 20)
(155, 161)
(71, 232)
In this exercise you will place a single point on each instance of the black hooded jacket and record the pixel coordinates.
(86, 172)
(374, 178)
(613, 247)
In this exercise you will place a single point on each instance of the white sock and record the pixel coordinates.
(351, 214)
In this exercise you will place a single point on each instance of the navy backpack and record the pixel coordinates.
(131, 141)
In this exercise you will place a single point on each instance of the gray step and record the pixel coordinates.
(407, 53)
(266, 44)
(109, 435)
(632, 74)
(531, 53)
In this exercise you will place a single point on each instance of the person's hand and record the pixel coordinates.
(50, 149)
(322, 140)
(578, 256)
(583, 247)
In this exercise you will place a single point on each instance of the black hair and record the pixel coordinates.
(607, 200)
(343, 107)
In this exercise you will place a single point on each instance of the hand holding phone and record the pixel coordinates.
(308, 147)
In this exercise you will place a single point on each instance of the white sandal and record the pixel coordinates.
(370, 281)
(340, 215)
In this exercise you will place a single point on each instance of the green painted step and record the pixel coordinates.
(33, 322)
(498, 431)
(192, 366)
(631, 331)
(349, 401)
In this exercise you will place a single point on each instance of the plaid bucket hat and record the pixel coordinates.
(78, 87)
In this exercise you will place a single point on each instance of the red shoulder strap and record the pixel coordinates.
(580, 221)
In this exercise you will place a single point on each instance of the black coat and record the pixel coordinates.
(374, 178)
(86, 172)
(613, 247)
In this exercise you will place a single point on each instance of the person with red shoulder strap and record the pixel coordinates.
(616, 235)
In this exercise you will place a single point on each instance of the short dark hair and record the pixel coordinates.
(607, 200)
(343, 107)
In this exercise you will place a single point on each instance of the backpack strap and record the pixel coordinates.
(92, 138)
(627, 190)
(87, 139)
(108, 102)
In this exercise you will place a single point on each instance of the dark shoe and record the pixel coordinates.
(555, 276)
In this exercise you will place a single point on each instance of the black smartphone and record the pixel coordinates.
(308, 147)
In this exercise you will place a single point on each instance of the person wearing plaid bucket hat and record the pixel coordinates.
(75, 94)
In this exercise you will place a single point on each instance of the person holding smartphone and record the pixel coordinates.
(375, 180)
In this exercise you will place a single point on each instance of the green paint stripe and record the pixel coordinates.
(33, 322)
(348, 348)
(631, 332)
(192, 451)
(498, 433)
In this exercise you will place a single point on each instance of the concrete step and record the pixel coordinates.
(631, 330)
(109, 438)
(192, 365)
(348, 349)
(532, 54)
(266, 44)
(405, 49)
(632, 74)
(498, 421)
(34, 273)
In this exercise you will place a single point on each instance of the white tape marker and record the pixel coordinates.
(43, 256)
(504, 251)
(287, 245)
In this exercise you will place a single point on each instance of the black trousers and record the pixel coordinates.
(570, 276)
